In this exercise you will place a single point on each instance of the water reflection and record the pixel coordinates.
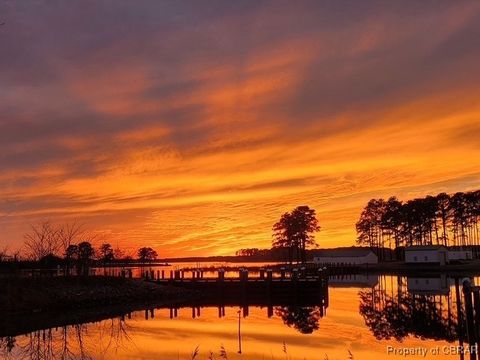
(305, 319)
(67, 342)
(436, 308)
(394, 310)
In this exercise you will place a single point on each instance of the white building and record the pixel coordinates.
(426, 254)
(455, 255)
(345, 256)
(434, 254)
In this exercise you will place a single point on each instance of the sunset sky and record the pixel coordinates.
(192, 126)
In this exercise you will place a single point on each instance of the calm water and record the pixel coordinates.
(365, 315)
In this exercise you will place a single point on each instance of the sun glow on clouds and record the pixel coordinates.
(196, 136)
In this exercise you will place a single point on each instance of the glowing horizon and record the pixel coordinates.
(192, 128)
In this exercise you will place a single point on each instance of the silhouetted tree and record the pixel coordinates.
(106, 252)
(296, 232)
(71, 257)
(369, 227)
(146, 254)
(85, 255)
(432, 220)
(444, 215)
(42, 240)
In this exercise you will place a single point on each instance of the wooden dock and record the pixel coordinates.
(293, 287)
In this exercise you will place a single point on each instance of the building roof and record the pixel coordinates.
(425, 247)
(343, 252)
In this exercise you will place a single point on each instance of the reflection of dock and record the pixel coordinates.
(14, 325)
(353, 281)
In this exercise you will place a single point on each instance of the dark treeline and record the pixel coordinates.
(70, 247)
(448, 220)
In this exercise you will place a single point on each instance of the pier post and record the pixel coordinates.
(221, 275)
(476, 307)
(471, 333)
(269, 275)
(295, 274)
(243, 275)
(320, 275)
(262, 273)
(282, 273)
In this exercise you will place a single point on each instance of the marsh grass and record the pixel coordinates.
(222, 354)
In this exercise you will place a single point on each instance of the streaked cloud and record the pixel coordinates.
(194, 126)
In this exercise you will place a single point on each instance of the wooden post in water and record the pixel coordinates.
(476, 307)
(282, 273)
(471, 333)
(269, 275)
(262, 273)
(459, 316)
(295, 274)
(221, 275)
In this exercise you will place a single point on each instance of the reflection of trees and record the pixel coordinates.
(68, 342)
(399, 316)
(304, 319)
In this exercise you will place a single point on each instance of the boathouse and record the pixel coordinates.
(345, 256)
(426, 254)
